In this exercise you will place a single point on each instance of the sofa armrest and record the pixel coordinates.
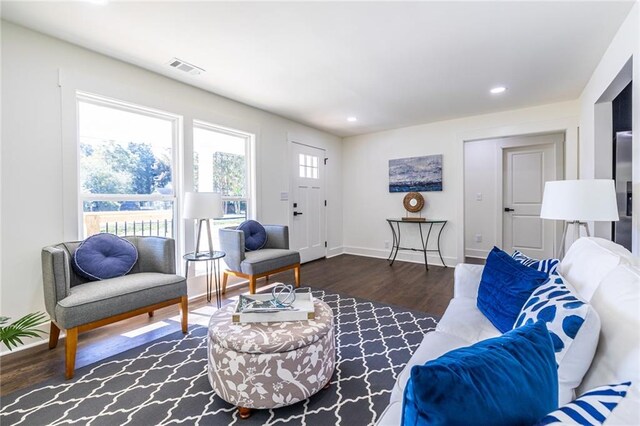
(155, 254)
(277, 237)
(467, 280)
(232, 243)
(56, 278)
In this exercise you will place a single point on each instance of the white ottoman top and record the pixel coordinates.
(274, 337)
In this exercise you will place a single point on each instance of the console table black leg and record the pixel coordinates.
(394, 244)
(424, 245)
(397, 247)
(439, 252)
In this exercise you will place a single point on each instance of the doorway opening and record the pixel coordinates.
(503, 186)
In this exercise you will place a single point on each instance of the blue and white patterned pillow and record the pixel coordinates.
(563, 312)
(592, 408)
(550, 266)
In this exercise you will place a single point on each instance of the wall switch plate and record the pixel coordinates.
(284, 196)
(479, 196)
(478, 238)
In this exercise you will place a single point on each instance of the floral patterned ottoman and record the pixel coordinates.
(270, 365)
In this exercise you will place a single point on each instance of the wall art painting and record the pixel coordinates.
(416, 174)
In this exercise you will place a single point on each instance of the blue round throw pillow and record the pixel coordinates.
(255, 236)
(104, 256)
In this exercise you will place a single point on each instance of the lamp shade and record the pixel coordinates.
(581, 200)
(202, 205)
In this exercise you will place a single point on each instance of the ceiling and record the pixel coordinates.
(390, 64)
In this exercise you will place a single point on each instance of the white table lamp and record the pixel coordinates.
(202, 206)
(579, 201)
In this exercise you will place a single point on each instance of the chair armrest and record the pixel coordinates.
(467, 280)
(56, 278)
(277, 236)
(155, 254)
(232, 243)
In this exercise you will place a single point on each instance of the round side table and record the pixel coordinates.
(212, 262)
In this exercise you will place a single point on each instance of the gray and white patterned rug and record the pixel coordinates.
(165, 382)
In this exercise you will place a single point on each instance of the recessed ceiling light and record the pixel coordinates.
(352, 119)
(498, 89)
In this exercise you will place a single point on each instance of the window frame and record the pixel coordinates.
(176, 169)
(249, 141)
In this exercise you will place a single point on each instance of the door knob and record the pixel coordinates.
(297, 214)
(507, 209)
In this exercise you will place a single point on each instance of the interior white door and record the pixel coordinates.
(525, 170)
(307, 201)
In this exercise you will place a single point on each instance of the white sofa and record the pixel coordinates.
(604, 274)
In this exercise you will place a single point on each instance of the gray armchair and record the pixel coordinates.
(274, 257)
(76, 304)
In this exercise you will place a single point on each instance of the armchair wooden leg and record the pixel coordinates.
(296, 272)
(225, 275)
(184, 307)
(150, 314)
(252, 284)
(71, 345)
(54, 334)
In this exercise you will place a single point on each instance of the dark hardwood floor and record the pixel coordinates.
(406, 285)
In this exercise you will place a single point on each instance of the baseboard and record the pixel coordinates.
(412, 257)
(335, 251)
(480, 254)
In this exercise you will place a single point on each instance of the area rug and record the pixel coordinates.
(165, 382)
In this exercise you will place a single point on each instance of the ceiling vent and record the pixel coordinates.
(183, 66)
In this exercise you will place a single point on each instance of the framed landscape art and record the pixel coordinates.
(416, 174)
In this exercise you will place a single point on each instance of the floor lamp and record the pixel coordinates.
(202, 206)
(578, 201)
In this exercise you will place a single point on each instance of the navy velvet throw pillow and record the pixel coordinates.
(255, 236)
(507, 380)
(505, 286)
(104, 256)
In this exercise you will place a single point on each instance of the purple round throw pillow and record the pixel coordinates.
(104, 256)
(255, 236)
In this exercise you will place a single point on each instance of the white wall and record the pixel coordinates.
(39, 188)
(626, 44)
(367, 201)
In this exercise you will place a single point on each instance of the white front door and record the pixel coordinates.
(307, 202)
(526, 169)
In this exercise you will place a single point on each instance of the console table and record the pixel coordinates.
(395, 229)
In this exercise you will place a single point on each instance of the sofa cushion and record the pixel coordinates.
(592, 408)
(546, 265)
(104, 256)
(255, 236)
(574, 327)
(432, 346)
(506, 380)
(617, 302)
(466, 280)
(96, 300)
(589, 260)
(504, 287)
(463, 319)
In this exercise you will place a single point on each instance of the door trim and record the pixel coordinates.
(522, 142)
(322, 164)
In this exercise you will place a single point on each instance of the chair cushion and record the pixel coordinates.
(507, 380)
(265, 260)
(95, 300)
(505, 285)
(104, 256)
(255, 236)
(463, 319)
(546, 265)
(574, 327)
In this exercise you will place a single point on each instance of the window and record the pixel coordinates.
(308, 166)
(222, 163)
(126, 168)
